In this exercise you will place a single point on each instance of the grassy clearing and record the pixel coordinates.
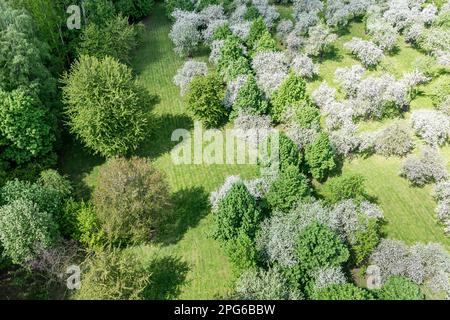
(200, 269)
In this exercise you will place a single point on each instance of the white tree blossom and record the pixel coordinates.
(327, 276)
(320, 38)
(185, 74)
(425, 168)
(269, 12)
(271, 68)
(324, 95)
(442, 196)
(304, 66)
(383, 34)
(185, 36)
(366, 51)
(216, 48)
(241, 29)
(279, 233)
(349, 78)
(253, 128)
(431, 125)
(344, 141)
(393, 140)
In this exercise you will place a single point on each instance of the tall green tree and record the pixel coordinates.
(105, 106)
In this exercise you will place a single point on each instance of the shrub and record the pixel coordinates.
(205, 97)
(114, 122)
(393, 140)
(288, 152)
(423, 169)
(291, 91)
(265, 285)
(113, 275)
(131, 200)
(23, 228)
(319, 246)
(347, 186)
(320, 157)
(367, 52)
(237, 212)
(116, 39)
(25, 132)
(290, 186)
(433, 126)
(400, 288)
(345, 291)
(48, 200)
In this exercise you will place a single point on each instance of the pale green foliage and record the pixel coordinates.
(113, 275)
(131, 200)
(116, 39)
(24, 228)
(105, 106)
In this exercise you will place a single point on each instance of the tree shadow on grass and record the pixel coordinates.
(168, 275)
(189, 207)
(159, 140)
(77, 161)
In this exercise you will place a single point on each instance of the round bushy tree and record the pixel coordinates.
(205, 97)
(320, 157)
(291, 91)
(237, 212)
(105, 106)
(25, 133)
(113, 275)
(319, 246)
(290, 187)
(400, 288)
(131, 199)
(24, 228)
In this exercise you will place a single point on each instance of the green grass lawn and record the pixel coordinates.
(200, 270)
